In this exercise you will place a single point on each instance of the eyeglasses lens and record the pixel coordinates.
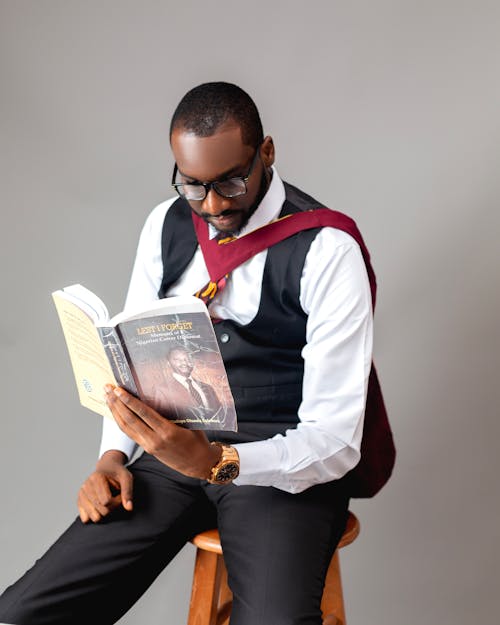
(191, 191)
(226, 188)
(231, 188)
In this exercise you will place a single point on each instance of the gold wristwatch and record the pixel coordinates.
(227, 468)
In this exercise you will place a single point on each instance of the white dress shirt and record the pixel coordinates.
(335, 294)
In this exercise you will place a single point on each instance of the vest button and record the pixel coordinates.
(224, 338)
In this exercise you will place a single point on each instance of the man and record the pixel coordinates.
(291, 291)
(185, 396)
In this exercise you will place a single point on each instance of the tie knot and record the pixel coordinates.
(223, 238)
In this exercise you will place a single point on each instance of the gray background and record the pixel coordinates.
(386, 110)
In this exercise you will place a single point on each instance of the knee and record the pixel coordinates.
(291, 610)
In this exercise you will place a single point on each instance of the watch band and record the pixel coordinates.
(227, 468)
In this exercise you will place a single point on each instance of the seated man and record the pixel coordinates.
(291, 297)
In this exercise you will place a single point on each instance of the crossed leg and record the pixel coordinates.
(94, 573)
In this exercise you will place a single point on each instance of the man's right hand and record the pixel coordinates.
(107, 488)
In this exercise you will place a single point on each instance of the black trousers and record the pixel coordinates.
(277, 547)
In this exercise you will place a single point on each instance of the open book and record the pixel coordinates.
(166, 354)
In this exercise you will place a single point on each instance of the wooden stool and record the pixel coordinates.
(211, 598)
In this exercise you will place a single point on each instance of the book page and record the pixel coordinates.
(91, 367)
(169, 305)
(88, 301)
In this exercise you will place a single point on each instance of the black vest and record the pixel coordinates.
(263, 358)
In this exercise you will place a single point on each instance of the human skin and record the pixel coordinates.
(222, 155)
(201, 159)
(180, 362)
(110, 485)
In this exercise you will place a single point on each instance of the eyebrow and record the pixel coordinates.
(230, 173)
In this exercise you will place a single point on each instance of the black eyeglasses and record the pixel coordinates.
(231, 187)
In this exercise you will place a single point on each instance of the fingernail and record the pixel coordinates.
(121, 394)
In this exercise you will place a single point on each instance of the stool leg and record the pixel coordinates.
(225, 602)
(332, 603)
(205, 589)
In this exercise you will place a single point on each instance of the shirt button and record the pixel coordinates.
(224, 338)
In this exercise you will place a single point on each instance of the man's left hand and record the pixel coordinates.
(186, 451)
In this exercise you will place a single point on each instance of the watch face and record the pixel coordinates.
(227, 472)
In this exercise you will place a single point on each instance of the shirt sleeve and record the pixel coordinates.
(147, 272)
(335, 294)
(145, 281)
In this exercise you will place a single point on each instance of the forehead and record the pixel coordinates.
(178, 353)
(209, 158)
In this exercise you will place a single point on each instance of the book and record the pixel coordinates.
(165, 353)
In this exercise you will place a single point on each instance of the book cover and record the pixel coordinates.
(167, 355)
(177, 367)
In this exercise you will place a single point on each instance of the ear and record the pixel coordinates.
(267, 152)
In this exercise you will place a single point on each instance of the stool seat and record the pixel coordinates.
(209, 540)
(211, 598)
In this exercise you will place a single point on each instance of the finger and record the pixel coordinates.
(89, 492)
(147, 414)
(127, 421)
(114, 488)
(82, 503)
(130, 423)
(84, 517)
(87, 509)
(103, 487)
(94, 508)
(125, 484)
(97, 493)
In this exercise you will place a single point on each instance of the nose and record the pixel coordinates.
(215, 204)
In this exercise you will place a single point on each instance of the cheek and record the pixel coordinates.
(247, 202)
(258, 190)
(195, 207)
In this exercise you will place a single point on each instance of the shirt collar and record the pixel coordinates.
(268, 210)
(180, 378)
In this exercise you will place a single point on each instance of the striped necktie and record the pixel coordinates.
(196, 396)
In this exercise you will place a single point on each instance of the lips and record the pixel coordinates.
(225, 221)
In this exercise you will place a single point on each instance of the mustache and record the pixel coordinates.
(224, 213)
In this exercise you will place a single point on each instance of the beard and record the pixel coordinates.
(263, 187)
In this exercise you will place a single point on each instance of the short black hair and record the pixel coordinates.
(177, 348)
(205, 108)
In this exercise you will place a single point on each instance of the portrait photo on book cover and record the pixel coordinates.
(182, 377)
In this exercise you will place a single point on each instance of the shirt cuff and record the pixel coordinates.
(255, 461)
(114, 438)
